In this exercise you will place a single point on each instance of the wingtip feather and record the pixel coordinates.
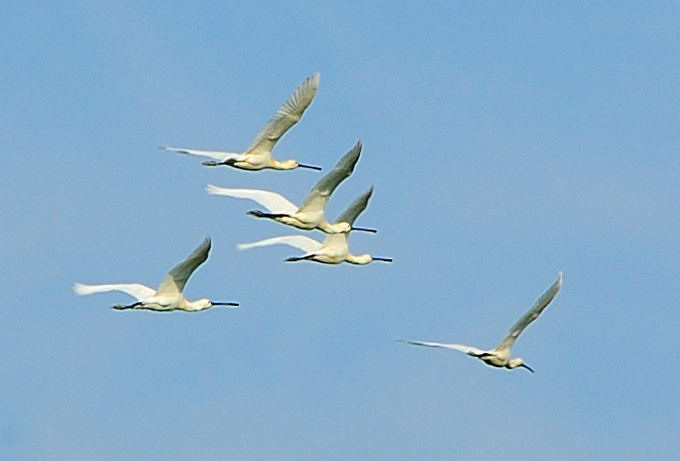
(212, 190)
(81, 289)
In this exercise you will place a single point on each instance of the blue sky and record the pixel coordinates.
(506, 141)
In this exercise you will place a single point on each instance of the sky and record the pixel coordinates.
(506, 141)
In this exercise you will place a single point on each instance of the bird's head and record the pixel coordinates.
(344, 227)
(205, 303)
(292, 164)
(340, 227)
(518, 362)
(366, 259)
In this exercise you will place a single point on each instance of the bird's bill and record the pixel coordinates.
(224, 304)
(524, 365)
(311, 167)
(378, 258)
(364, 229)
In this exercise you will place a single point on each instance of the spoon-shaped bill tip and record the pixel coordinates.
(378, 258)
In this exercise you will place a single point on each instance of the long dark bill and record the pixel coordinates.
(364, 229)
(311, 167)
(524, 365)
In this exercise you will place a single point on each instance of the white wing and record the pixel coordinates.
(136, 290)
(532, 314)
(301, 242)
(275, 203)
(174, 282)
(214, 154)
(469, 350)
(318, 197)
(286, 116)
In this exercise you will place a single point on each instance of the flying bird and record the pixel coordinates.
(169, 295)
(334, 249)
(311, 214)
(259, 155)
(500, 356)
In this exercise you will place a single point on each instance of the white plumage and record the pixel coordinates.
(169, 295)
(500, 356)
(259, 155)
(311, 214)
(335, 247)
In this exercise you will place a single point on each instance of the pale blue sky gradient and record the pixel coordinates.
(505, 140)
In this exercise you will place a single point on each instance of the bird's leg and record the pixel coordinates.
(299, 258)
(481, 355)
(262, 214)
(228, 162)
(120, 307)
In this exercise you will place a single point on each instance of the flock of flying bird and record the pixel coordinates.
(334, 249)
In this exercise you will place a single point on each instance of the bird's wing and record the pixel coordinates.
(355, 208)
(174, 282)
(301, 242)
(275, 203)
(470, 350)
(318, 197)
(214, 154)
(532, 314)
(136, 290)
(286, 116)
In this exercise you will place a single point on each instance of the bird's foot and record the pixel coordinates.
(299, 258)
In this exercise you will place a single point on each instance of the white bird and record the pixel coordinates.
(259, 155)
(334, 249)
(311, 214)
(500, 356)
(169, 295)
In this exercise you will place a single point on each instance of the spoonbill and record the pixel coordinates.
(334, 249)
(169, 295)
(311, 214)
(259, 155)
(500, 356)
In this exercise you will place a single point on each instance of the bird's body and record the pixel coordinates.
(169, 295)
(311, 214)
(500, 356)
(259, 155)
(335, 247)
